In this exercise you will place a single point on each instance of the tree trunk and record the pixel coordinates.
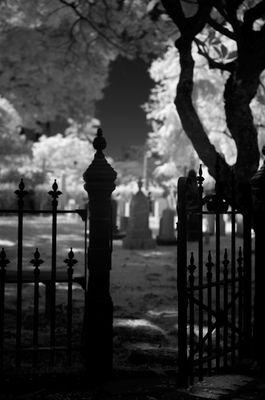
(189, 117)
(239, 92)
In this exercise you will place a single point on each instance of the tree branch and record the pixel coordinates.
(189, 117)
(211, 62)
(73, 6)
(220, 28)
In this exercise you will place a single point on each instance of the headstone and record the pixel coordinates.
(239, 225)
(124, 223)
(139, 236)
(166, 228)
(210, 218)
(116, 233)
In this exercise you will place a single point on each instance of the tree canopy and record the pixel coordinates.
(67, 46)
(46, 70)
(231, 37)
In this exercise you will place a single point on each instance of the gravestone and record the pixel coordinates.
(139, 235)
(210, 224)
(116, 233)
(166, 234)
(239, 226)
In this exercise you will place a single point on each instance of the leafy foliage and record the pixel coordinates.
(65, 158)
(45, 71)
(167, 139)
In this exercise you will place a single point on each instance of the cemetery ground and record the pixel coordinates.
(143, 289)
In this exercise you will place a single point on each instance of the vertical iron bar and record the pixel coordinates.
(247, 276)
(36, 262)
(209, 266)
(200, 180)
(3, 262)
(217, 292)
(85, 255)
(218, 195)
(225, 302)
(70, 261)
(233, 272)
(182, 283)
(240, 301)
(191, 269)
(54, 193)
(20, 194)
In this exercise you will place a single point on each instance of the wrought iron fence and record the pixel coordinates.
(15, 354)
(214, 285)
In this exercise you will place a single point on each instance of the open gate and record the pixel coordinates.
(214, 282)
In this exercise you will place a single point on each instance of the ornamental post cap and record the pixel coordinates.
(99, 143)
(140, 184)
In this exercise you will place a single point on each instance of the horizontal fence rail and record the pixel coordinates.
(23, 338)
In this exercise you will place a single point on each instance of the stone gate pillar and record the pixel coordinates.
(98, 319)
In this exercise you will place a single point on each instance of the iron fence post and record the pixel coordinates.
(182, 284)
(258, 196)
(98, 319)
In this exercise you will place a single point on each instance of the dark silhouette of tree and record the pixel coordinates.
(241, 22)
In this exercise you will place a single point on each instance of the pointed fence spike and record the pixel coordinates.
(200, 178)
(191, 266)
(209, 264)
(70, 261)
(54, 193)
(36, 261)
(20, 192)
(21, 184)
(55, 185)
(3, 260)
(3, 253)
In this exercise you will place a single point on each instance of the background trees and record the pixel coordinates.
(59, 65)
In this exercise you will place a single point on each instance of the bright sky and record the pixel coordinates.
(122, 119)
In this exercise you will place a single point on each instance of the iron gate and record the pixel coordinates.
(214, 283)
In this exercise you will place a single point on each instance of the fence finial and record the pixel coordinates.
(36, 261)
(140, 184)
(20, 192)
(55, 193)
(3, 260)
(99, 144)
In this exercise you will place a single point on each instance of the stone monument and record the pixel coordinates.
(139, 236)
(166, 234)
